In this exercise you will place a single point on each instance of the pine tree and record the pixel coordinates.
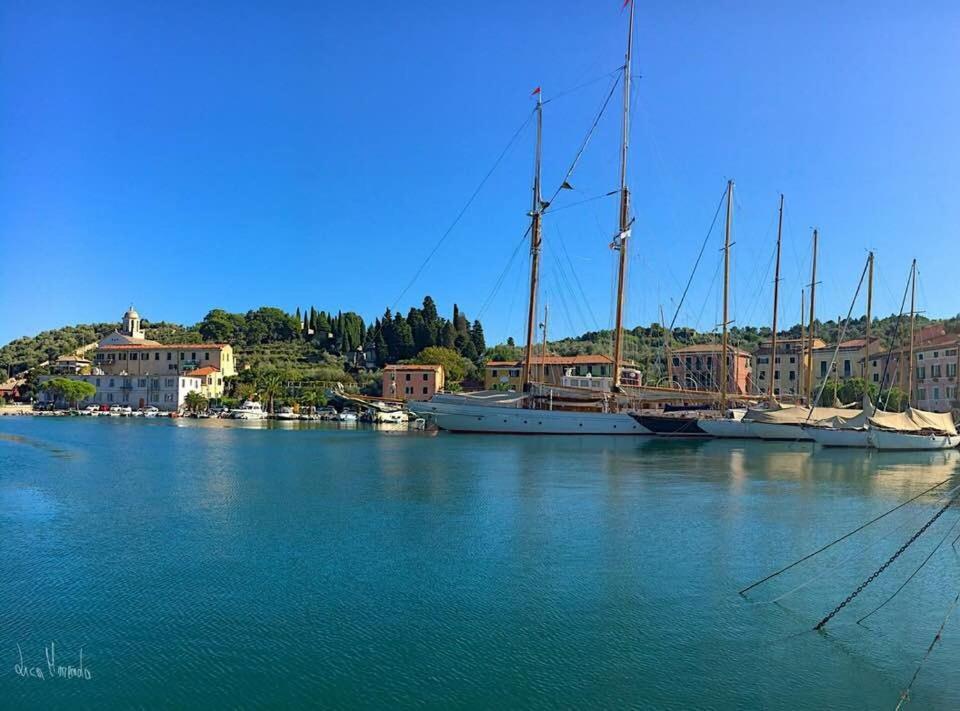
(448, 336)
(476, 335)
(460, 321)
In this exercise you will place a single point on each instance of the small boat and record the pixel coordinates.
(348, 416)
(115, 411)
(395, 417)
(249, 410)
(287, 413)
(732, 427)
(151, 411)
(418, 424)
(328, 413)
(835, 437)
(903, 441)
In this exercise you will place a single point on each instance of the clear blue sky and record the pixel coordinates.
(184, 156)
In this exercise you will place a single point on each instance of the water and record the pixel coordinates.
(219, 565)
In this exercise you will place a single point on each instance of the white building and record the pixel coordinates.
(166, 392)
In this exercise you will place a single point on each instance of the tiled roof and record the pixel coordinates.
(413, 366)
(161, 346)
(582, 359)
(206, 370)
(707, 348)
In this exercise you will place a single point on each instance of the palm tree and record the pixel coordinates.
(195, 402)
(270, 386)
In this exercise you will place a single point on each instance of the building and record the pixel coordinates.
(781, 372)
(851, 360)
(585, 370)
(412, 382)
(211, 381)
(127, 351)
(935, 378)
(698, 368)
(165, 392)
(71, 365)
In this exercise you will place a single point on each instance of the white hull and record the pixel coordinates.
(792, 433)
(891, 441)
(465, 417)
(249, 416)
(830, 437)
(393, 418)
(726, 428)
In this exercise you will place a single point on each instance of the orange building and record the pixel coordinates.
(412, 382)
(699, 368)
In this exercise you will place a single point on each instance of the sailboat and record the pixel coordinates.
(548, 410)
(689, 424)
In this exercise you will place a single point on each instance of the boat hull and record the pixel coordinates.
(491, 419)
(829, 437)
(726, 428)
(667, 426)
(902, 441)
(787, 433)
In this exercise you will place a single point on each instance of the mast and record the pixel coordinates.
(913, 316)
(726, 289)
(802, 365)
(543, 348)
(666, 348)
(866, 356)
(776, 297)
(813, 296)
(536, 239)
(620, 243)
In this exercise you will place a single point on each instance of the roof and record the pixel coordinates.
(413, 366)
(131, 313)
(71, 359)
(937, 342)
(206, 370)
(162, 346)
(581, 359)
(708, 348)
(851, 343)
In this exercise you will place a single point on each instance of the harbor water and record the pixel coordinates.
(222, 564)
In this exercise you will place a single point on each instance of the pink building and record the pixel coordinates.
(935, 377)
(412, 382)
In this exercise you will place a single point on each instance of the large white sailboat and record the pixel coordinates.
(541, 408)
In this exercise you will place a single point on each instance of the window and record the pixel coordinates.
(515, 373)
(424, 389)
(936, 393)
(876, 377)
(155, 383)
(951, 370)
(776, 375)
(168, 397)
(760, 359)
(763, 375)
(133, 356)
(109, 397)
(125, 397)
(847, 369)
(169, 354)
(935, 370)
(921, 394)
(676, 361)
(206, 356)
(777, 360)
(142, 383)
(823, 368)
(792, 375)
(123, 356)
(111, 382)
(193, 356)
(172, 366)
(170, 382)
(98, 382)
(154, 397)
(425, 377)
(156, 356)
(493, 373)
(709, 362)
(408, 391)
(408, 377)
(126, 382)
(182, 355)
(793, 359)
(921, 372)
(936, 354)
(919, 356)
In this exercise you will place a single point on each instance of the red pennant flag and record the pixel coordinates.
(535, 91)
(625, 3)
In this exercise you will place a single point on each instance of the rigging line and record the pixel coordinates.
(936, 638)
(465, 207)
(881, 402)
(566, 282)
(576, 279)
(919, 567)
(842, 538)
(584, 85)
(856, 554)
(583, 146)
(584, 201)
(699, 256)
(920, 531)
(503, 274)
(836, 351)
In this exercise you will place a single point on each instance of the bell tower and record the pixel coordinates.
(131, 324)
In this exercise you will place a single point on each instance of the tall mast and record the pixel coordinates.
(620, 243)
(813, 296)
(776, 297)
(536, 239)
(866, 355)
(913, 316)
(726, 290)
(543, 348)
(802, 365)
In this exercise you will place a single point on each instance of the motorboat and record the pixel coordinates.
(151, 411)
(249, 410)
(348, 416)
(287, 413)
(394, 417)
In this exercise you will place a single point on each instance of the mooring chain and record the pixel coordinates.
(883, 567)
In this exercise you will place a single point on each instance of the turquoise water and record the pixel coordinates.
(221, 565)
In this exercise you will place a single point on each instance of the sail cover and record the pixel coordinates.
(796, 414)
(915, 421)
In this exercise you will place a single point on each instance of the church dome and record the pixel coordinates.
(131, 313)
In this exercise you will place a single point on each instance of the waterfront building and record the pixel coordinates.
(127, 352)
(211, 381)
(850, 360)
(935, 378)
(558, 370)
(412, 382)
(165, 392)
(698, 367)
(782, 372)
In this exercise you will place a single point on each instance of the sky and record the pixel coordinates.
(188, 156)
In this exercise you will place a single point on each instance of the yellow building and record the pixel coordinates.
(782, 372)
(127, 352)
(506, 375)
(850, 360)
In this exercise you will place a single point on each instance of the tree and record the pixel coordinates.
(476, 335)
(270, 385)
(196, 402)
(510, 342)
(69, 391)
(454, 365)
(448, 336)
